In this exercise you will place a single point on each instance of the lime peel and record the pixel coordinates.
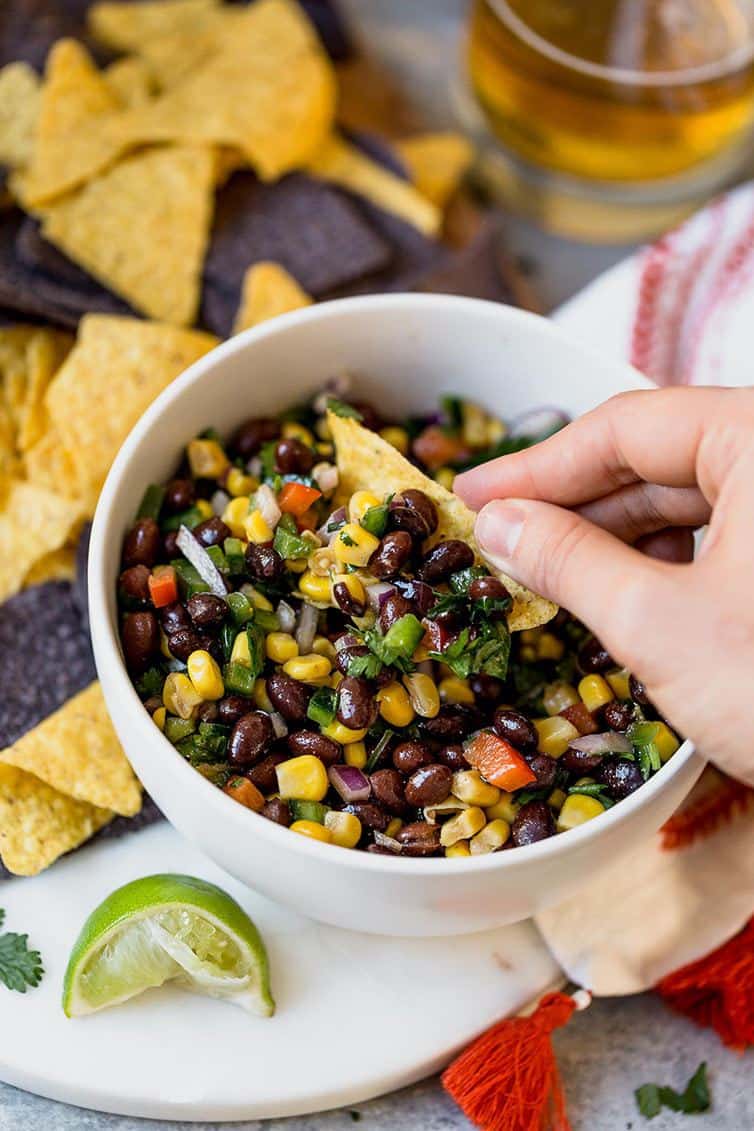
(167, 928)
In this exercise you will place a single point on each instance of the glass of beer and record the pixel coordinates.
(610, 107)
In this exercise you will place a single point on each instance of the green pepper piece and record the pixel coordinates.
(234, 554)
(375, 519)
(151, 503)
(308, 811)
(257, 652)
(321, 709)
(190, 518)
(403, 637)
(177, 729)
(238, 679)
(268, 622)
(218, 558)
(189, 578)
(241, 607)
(228, 634)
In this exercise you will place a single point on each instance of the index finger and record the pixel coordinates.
(651, 435)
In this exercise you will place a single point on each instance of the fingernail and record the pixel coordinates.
(498, 529)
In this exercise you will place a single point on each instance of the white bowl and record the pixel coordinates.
(403, 351)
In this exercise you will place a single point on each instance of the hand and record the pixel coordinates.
(599, 518)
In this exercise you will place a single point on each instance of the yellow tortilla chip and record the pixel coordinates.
(38, 824)
(367, 462)
(47, 464)
(74, 138)
(346, 166)
(130, 80)
(33, 522)
(268, 90)
(76, 751)
(14, 343)
(127, 26)
(436, 163)
(8, 457)
(142, 229)
(58, 565)
(268, 290)
(19, 107)
(114, 372)
(29, 356)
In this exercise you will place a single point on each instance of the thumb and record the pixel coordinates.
(626, 598)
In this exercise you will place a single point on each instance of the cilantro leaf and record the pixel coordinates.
(695, 1097)
(648, 1100)
(596, 790)
(367, 666)
(20, 967)
(340, 408)
(488, 652)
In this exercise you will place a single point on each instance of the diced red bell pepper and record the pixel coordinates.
(579, 715)
(163, 586)
(436, 448)
(246, 793)
(498, 762)
(296, 498)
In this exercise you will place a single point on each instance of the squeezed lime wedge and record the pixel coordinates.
(167, 928)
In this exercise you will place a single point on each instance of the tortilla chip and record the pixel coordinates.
(437, 163)
(268, 290)
(38, 824)
(367, 462)
(76, 751)
(74, 136)
(343, 164)
(270, 91)
(127, 26)
(29, 356)
(142, 228)
(130, 80)
(33, 522)
(14, 343)
(8, 457)
(114, 372)
(19, 107)
(58, 565)
(47, 464)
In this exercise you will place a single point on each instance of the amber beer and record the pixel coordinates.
(614, 90)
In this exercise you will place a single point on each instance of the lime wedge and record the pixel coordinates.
(167, 929)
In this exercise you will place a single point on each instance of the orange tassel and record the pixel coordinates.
(705, 814)
(508, 1079)
(718, 991)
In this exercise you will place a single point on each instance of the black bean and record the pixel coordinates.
(617, 715)
(343, 656)
(516, 729)
(620, 777)
(371, 815)
(346, 601)
(454, 721)
(170, 544)
(179, 495)
(207, 712)
(250, 738)
(429, 784)
(453, 756)
(391, 555)
(288, 696)
(418, 593)
(487, 588)
(370, 418)
(410, 755)
(183, 642)
(356, 706)
(578, 762)
(153, 703)
(207, 611)
(486, 687)
(638, 692)
(263, 561)
(293, 458)
(141, 639)
(133, 584)
(387, 789)
(445, 558)
(212, 532)
(277, 810)
(232, 708)
(545, 768)
(141, 545)
(392, 608)
(252, 434)
(263, 775)
(594, 657)
(414, 512)
(534, 821)
(175, 616)
(312, 742)
(419, 839)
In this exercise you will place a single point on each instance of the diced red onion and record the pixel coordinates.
(349, 782)
(325, 475)
(307, 628)
(345, 640)
(279, 724)
(287, 616)
(254, 467)
(378, 593)
(336, 520)
(388, 842)
(201, 561)
(267, 505)
(219, 501)
(610, 742)
(538, 422)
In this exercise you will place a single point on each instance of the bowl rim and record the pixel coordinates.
(117, 682)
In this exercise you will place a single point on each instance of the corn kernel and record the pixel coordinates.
(292, 430)
(473, 425)
(321, 562)
(550, 647)
(280, 647)
(165, 646)
(506, 809)
(260, 696)
(240, 653)
(308, 668)
(468, 785)
(445, 476)
(324, 647)
(460, 848)
(295, 565)
(304, 778)
(205, 675)
(353, 545)
(315, 588)
(555, 735)
(496, 430)
(455, 690)
(423, 693)
(322, 428)
(595, 692)
(559, 695)
(204, 507)
(257, 529)
(335, 679)
(355, 754)
(465, 825)
(530, 635)
(345, 828)
(618, 680)
(235, 515)
(354, 586)
(398, 437)
(342, 734)
(394, 827)
(665, 741)
(206, 459)
(492, 836)
(158, 718)
(577, 809)
(237, 483)
(556, 799)
(528, 653)
(179, 695)
(313, 830)
(395, 705)
(324, 449)
(359, 503)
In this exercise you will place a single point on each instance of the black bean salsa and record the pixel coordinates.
(325, 668)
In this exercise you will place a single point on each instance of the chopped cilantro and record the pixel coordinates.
(596, 790)
(461, 580)
(695, 1097)
(20, 967)
(368, 666)
(382, 743)
(451, 407)
(375, 518)
(150, 683)
(488, 652)
(288, 542)
(340, 408)
(346, 539)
